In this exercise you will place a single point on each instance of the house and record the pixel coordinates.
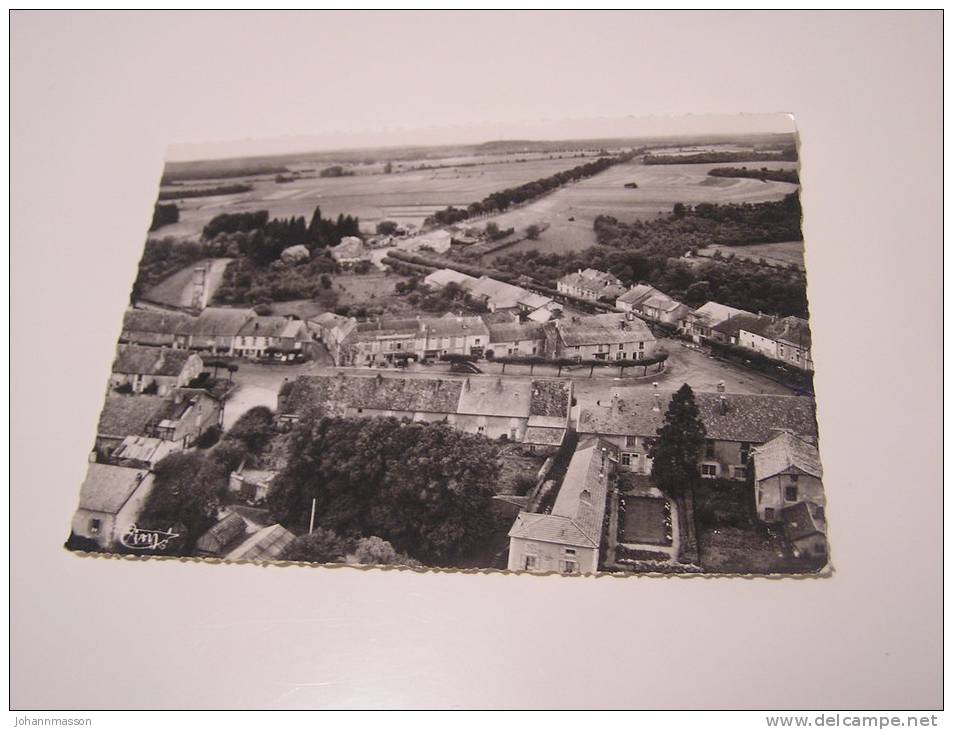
(806, 529)
(535, 412)
(592, 285)
(151, 327)
(787, 470)
(331, 330)
(452, 335)
(662, 308)
(254, 485)
(142, 452)
(153, 370)
(350, 251)
(184, 416)
(280, 338)
(438, 241)
(516, 338)
(787, 339)
(214, 330)
(699, 322)
(569, 538)
(600, 337)
(734, 425)
(730, 330)
(500, 296)
(441, 277)
(372, 343)
(222, 537)
(110, 501)
(631, 300)
(122, 416)
(264, 545)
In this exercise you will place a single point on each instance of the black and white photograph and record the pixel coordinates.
(569, 356)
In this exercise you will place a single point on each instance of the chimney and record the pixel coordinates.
(723, 404)
(721, 386)
(658, 403)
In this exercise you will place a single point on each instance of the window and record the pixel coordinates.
(625, 459)
(638, 355)
(741, 472)
(569, 566)
(530, 562)
(95, 525)
(709, 448)
(476, 341)
(790, 494)
(819, 512)
(745, 450)
(820, 549)
(631, 440)
(768, 513)
(794, 478)
(621, 346)
(641, 345)
(709, 470)
(570, 551)
(481, 429)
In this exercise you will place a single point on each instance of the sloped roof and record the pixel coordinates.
(138, 360)
(126, 415)
(144, 448)
(713, 313)
(107, 488)
(661, 301)
(263, 327)
(733, 325)
(266, 544)
(514, 331)
(638, 294)
(789, 330)
(596, 281)
(453, 326)
(218, 322)
(544, 436)
(551, 398)
(799, 521)
(785, 452)
(153, 322)
(386, 327)
(598, 329)
(350, 247)
(746, 417)
(442, 277)
(580, 505)
(488, 397)
(223, 532)
(327, 320)
(427, 395)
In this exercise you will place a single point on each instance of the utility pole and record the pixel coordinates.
(311, 525)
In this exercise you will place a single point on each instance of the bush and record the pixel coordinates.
(523, 484)
(209, 438)
(124, 388)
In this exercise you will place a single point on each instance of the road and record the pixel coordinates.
(258, 383)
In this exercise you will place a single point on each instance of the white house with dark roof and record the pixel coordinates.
(110, 501)
(734, 424)
(631, 300)
(441, 277)
(568, 539)
(214, 330)
(591, 284)
(516, 338)
(699, 322)
(600, 337)
(156, 369)
(787, 339)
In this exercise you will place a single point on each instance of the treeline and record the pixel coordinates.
(245, 282)
(278, 234)
(785, 154)
(205, 192)
(216, 172)
(735, 282)
(162, 257)
(335, 171)
(502, 200)
(164, 215)
(788, 176)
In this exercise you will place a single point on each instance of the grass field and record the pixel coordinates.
(406, 197)
(660, 187)
(788, 252)
(644, 521)
(374, 291)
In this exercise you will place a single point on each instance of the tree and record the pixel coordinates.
(532, 232)
(425, 488)
(254, 428)
(321, 546)
(680, 440)
(387, 228)
(679, 210)
(186, 490)
(375, 551)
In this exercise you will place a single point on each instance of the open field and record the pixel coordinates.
(176, 290)
(660, 187)
(783, 254)
(374, 291)
(644, 521)
(406, 197)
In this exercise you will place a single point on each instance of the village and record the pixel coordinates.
(573, 385)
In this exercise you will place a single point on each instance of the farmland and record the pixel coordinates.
(403, 196)
(659, 188)
(780, 254)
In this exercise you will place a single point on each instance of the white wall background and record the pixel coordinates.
(96, 98)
